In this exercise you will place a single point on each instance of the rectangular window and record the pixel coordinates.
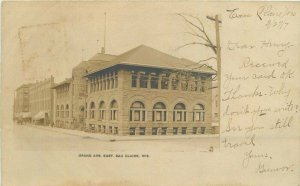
(164, 83)
(154, 82)
(104, 128)
(195, 130)
(116, 130)
(179, 116)
(174, 84)
(143, 80)
(197, 116)
(202, 130)
(184, 85)
(133, 80)
(142, 131)
(136, 115)
(175, 131)
(183, 130)
(164, 131)
(158, 115)
(132, 131)
(110, 130)
(154, 131)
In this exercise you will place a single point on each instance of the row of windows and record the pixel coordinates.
(62, 91)
(104, 82)
(165, 81)
(142, 130)
(163, 130)
(138, 112)
(103, 129)
(61, 112)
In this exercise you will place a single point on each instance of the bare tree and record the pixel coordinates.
(197, 30)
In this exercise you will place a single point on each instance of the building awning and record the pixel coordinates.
(39, 115)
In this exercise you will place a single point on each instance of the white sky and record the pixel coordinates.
(53, 34)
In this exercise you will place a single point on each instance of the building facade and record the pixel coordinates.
(21, 102)
(147, 92)
(71, 94)
(41, 101)
(63, 104)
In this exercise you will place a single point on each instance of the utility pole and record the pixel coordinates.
(218, 48)
(104, 35)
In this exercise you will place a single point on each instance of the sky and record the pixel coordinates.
(43, 39)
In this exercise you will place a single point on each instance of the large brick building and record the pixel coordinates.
(147, 92)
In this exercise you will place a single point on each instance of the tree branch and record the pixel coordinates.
(195, 43)
(207, 59)
(202, 30)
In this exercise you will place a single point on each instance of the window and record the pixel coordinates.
(179, 113)
(184, 84)
(57, 110)
(175, 131)
(116, 130)
(137, 111)
(104, 129)
(154, 81)
(142, 131)
(110, 130)
(132, 131)
(164, 131)
(183, 130)
(67, 110)
(154, 131)
(195, 130)
(164, 81)
(92, 110)
(202, 84)
(143, 79)
(198, 113)
(101, 111)
(133, 79)
(174, 84)
(62, 111)
(202, 130)
(92, 127)
(114, 110)
(159, 112)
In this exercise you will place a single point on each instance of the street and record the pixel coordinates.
(28, 137)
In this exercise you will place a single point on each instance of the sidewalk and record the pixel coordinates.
(111, 138)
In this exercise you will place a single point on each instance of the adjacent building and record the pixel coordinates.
(71, 94)
(21, 103)
(41, 101)
(147, 92)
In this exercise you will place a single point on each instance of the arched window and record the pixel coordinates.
(179, 113)
(159, 112)
(57, 110)
(114, 110)
(198, 112)
(101, 110)
(137, 111)
(67, 111)
(62, 111)
(92, 110)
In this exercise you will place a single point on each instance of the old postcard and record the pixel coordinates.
(150, 93)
